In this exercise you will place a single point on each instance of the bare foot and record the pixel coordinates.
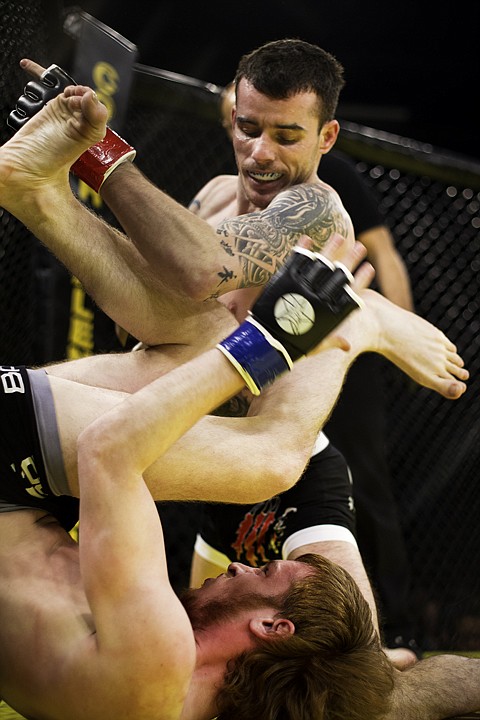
(417, 347)
(334, 250)
(411, 343)
(41, 153)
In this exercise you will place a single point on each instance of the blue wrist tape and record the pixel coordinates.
(256, 355)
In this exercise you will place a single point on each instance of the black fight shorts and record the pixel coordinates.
(23, 477)
(318, 508)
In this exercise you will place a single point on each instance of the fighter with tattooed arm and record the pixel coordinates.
(108, 263)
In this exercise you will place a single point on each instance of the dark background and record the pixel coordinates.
(411, 68)
(402, 72)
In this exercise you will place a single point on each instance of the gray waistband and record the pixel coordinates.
(12, 507)
(48, 432)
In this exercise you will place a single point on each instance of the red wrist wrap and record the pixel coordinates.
(96, 163)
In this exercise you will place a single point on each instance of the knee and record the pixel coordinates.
(278, 474)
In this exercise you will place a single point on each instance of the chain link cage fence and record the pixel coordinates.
(430, 199)
(28, 29)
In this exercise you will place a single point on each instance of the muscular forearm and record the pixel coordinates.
(179, 246)
(240, 252)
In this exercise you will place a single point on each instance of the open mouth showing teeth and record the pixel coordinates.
(265, 177)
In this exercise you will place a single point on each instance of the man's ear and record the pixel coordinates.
(328, 135)
(268, 628)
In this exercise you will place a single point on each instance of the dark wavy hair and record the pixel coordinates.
(331, 668)
(282, 68)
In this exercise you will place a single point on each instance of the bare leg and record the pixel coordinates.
(178, 245)
(118, 277)
(438, 687)
(85, 388)
(183, 250)
(34, 171)
(284, 420)
(417, 347)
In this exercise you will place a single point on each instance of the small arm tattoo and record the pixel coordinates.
(236, 406)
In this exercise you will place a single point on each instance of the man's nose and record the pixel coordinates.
(263, 149)
(237, 568)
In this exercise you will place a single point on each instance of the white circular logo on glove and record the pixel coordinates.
(294, 313)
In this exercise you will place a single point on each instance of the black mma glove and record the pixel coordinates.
(96, 163)
(37, 94)
(300, 305)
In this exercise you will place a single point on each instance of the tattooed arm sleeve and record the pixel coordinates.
(258, 243)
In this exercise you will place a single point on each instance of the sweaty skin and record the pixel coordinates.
(381, 328)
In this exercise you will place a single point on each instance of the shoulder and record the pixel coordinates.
(308, 191)
(314, 199)
(314, 209)
(219, 182)
(216, 194)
